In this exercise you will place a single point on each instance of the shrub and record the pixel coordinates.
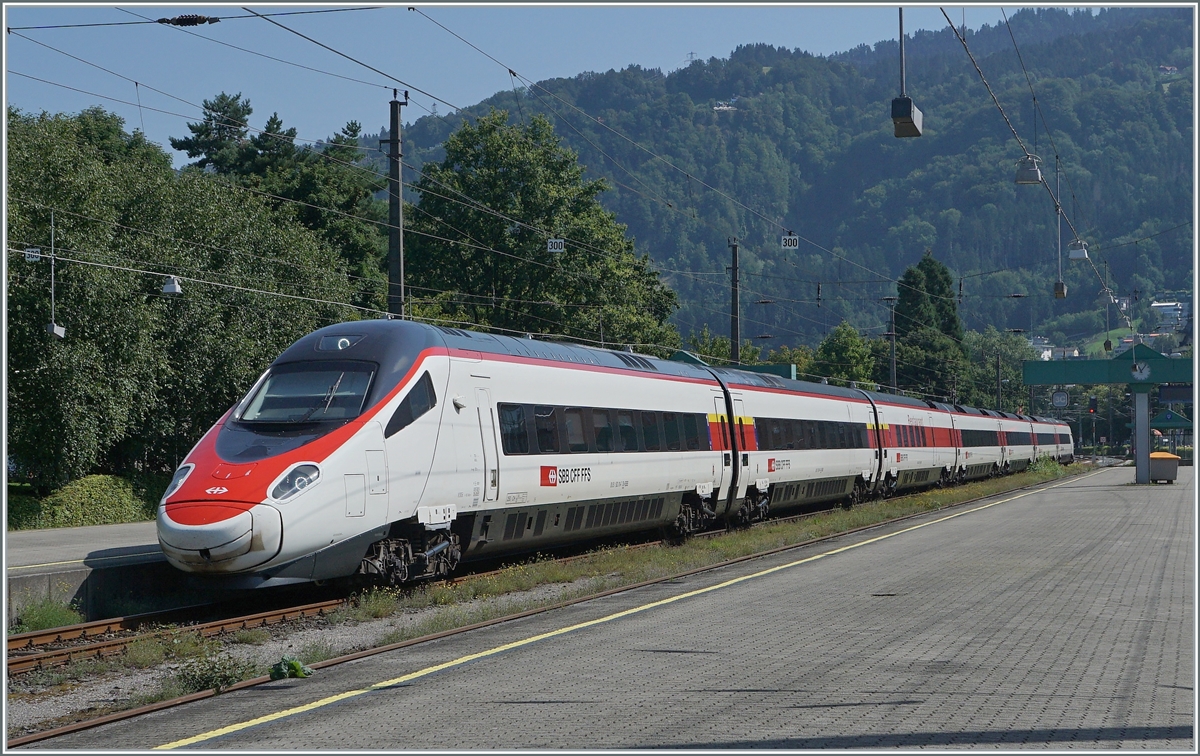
(42, 614)
(93, 500)
(212, 671)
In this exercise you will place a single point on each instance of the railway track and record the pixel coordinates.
(56, 647)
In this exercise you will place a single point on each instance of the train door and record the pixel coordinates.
(738, 426)
(487, 429)
(720, 432)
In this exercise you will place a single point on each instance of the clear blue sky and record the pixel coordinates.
(536, 42)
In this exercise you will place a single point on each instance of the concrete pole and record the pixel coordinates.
(1141, 435)
(395, 211)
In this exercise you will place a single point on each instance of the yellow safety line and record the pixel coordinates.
(562, 631)
(84, 560)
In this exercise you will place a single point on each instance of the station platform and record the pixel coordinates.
(103, 570)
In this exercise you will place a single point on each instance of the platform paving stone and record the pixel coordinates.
(1059, 620)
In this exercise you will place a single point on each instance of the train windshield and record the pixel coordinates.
(309, 392)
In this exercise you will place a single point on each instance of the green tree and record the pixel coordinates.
(716, 349)
(914, 309)
(981, 350)
(844, 356)
(930, 364)
(477, 241)
(330, 188)
(939, 286)
(140, 376)
(220, 139)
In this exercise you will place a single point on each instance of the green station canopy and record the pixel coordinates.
(1168, 420)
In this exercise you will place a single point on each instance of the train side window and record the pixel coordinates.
(602, 427)
(705, 432)
(650, 430)
(801, 436)
(691, 433)
(420, 400)
(546, 425)
(843, 442)
(671, 431)
(576, 440)
(513, 433)
(821, 435)
(769, 433)
(627, 431)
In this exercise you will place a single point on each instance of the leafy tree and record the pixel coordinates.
(800, 356)
(220, 139)
(717, 348)
(330, 188)
(940, 288)
(140, 376)
(981, 350)
(914, 308)
(844, 356)
(930, 364)
(477, 241)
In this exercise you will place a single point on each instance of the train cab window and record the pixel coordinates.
(671, 430)
(513, 433)
(546, 424)
(420, 400)
(650, 430)
(576, 440)
(602, 428)
(627, 431)
(691, 432)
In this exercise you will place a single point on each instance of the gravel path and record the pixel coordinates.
(35, 705)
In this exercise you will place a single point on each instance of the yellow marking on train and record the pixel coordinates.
(86, 560)
(714, 418)
(230, 729)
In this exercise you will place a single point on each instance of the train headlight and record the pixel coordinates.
(180, 475)
(298, 479)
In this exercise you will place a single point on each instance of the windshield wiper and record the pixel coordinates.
(328, 398)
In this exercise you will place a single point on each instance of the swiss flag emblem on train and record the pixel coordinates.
(771, 465)
(549, 476)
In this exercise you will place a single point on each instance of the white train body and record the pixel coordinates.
(395, 448)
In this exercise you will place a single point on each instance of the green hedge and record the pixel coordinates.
(93, 500)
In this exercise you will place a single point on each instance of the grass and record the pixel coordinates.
(42, 614)
(254, 636)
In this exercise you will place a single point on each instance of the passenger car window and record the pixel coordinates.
(545, 423)
(627, 431)
(650, 430)
(691, 433)
(512, 429)
(671, 430)
(602, 428)
(576, 441)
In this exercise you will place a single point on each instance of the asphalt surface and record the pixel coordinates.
(1061, 618)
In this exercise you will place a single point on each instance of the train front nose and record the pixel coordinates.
(219, 537)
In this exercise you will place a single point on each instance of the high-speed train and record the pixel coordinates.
(393, 450)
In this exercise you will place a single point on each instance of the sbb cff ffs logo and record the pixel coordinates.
(553, 476)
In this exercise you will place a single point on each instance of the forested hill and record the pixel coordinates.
(808, 146)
